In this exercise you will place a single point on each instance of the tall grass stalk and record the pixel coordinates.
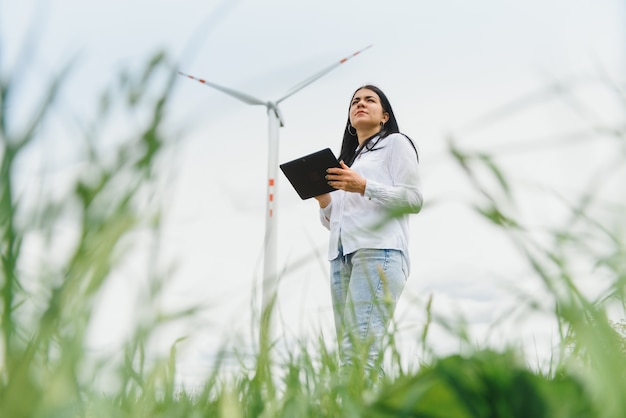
(44, 335)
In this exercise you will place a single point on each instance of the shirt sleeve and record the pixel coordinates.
(325, 215)
(405, 192)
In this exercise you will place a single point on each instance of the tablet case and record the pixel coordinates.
(307, 174)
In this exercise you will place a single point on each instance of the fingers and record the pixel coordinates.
(341, 178)
(339, 171)
(333, 179)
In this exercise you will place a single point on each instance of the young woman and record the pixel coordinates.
(378, 187)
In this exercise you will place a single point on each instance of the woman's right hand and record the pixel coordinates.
(323, 199)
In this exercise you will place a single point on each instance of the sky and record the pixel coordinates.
(446, 67)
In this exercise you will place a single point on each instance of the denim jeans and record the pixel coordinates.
(365, 287)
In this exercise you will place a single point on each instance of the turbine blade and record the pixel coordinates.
(320, 74)
(246, 98)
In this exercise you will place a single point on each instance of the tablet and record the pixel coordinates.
(307, 174)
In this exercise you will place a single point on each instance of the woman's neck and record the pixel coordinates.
(364, 136)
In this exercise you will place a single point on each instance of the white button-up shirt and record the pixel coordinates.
(378, 218)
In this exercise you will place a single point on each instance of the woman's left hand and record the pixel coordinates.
(345, 178)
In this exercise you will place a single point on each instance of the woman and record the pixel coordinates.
(378, 187)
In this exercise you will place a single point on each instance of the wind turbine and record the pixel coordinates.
(270, 273)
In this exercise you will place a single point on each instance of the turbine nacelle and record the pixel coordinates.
(273, 107)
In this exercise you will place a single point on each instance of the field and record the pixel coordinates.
(46, 309)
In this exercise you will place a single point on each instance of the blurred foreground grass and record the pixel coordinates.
(46, 310)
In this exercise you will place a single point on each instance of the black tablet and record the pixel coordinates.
(307, 174)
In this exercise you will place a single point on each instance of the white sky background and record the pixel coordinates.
(442, 64)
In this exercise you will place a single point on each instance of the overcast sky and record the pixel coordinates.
(443, 64)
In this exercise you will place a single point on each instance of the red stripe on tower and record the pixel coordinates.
(271, 196)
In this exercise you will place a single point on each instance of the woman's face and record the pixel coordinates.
(366, 111)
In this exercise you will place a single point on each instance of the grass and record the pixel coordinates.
(45, 370)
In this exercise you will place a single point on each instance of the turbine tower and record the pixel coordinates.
(270, 272)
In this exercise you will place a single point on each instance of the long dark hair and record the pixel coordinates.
(350, 142)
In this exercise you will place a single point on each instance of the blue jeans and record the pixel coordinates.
(365, 287)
